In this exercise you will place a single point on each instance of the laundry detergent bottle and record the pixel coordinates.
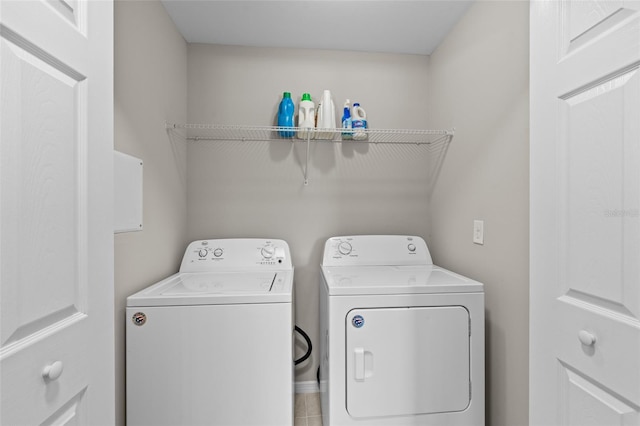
(306, 117)
(286, 110)
(326, 117)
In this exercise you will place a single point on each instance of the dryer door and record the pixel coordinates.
(407, 361)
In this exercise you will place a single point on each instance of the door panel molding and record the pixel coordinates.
(585, 400)
(39, 53)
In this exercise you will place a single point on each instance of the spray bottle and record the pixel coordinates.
(347, 133)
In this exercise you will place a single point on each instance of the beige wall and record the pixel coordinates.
(478, 82)
(255, 189)
(150, 88)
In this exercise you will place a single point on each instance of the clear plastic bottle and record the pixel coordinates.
(306, 117)
(286, 110)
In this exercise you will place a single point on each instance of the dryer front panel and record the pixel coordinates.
(407, 361)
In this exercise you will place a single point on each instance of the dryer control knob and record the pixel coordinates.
(268, 252)
(217, 252)
(411, 247)
(344, 248)
(203, 253)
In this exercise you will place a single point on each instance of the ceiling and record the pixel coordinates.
(390, 26)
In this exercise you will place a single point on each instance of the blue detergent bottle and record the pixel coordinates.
(286, 110)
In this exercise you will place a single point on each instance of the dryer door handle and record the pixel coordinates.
(358, 364)
(362, 364)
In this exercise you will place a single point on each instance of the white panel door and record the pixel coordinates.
(585, 213)
(407, 361)
(56, 252)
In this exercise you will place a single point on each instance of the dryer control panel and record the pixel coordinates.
(237, 253)
(374, 250)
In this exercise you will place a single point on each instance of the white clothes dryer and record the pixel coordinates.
(402, 340)
(213, 344)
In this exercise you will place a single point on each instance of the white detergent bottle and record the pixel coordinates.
(326, 117)
(359, 122)
(306, 117)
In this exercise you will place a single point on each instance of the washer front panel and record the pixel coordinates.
(191, 365)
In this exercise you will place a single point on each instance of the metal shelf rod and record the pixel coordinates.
(208, 132)
(435, 140)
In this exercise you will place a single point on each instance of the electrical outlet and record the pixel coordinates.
(478, 232)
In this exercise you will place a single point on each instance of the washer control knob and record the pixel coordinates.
(411, 247)
(217, 252)
(344, 248)
(203, 252)
(268, 252)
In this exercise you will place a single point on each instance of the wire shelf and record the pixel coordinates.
(435, 141)
(210, 132)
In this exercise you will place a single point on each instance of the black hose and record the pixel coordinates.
(308, 340)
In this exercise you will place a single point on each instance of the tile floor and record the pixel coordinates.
(307, 410)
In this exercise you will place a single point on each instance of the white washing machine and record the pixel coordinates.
(402, 340)
(213, 344)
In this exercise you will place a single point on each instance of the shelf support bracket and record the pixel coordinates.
(306, 163)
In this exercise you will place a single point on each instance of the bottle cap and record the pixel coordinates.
(306, 97)
(286, 95)
(355, 104)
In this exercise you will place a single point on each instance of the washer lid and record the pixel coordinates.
(219, 288)
(348, 280)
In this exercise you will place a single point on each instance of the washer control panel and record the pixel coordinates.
(376, 250)
(232, 254)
